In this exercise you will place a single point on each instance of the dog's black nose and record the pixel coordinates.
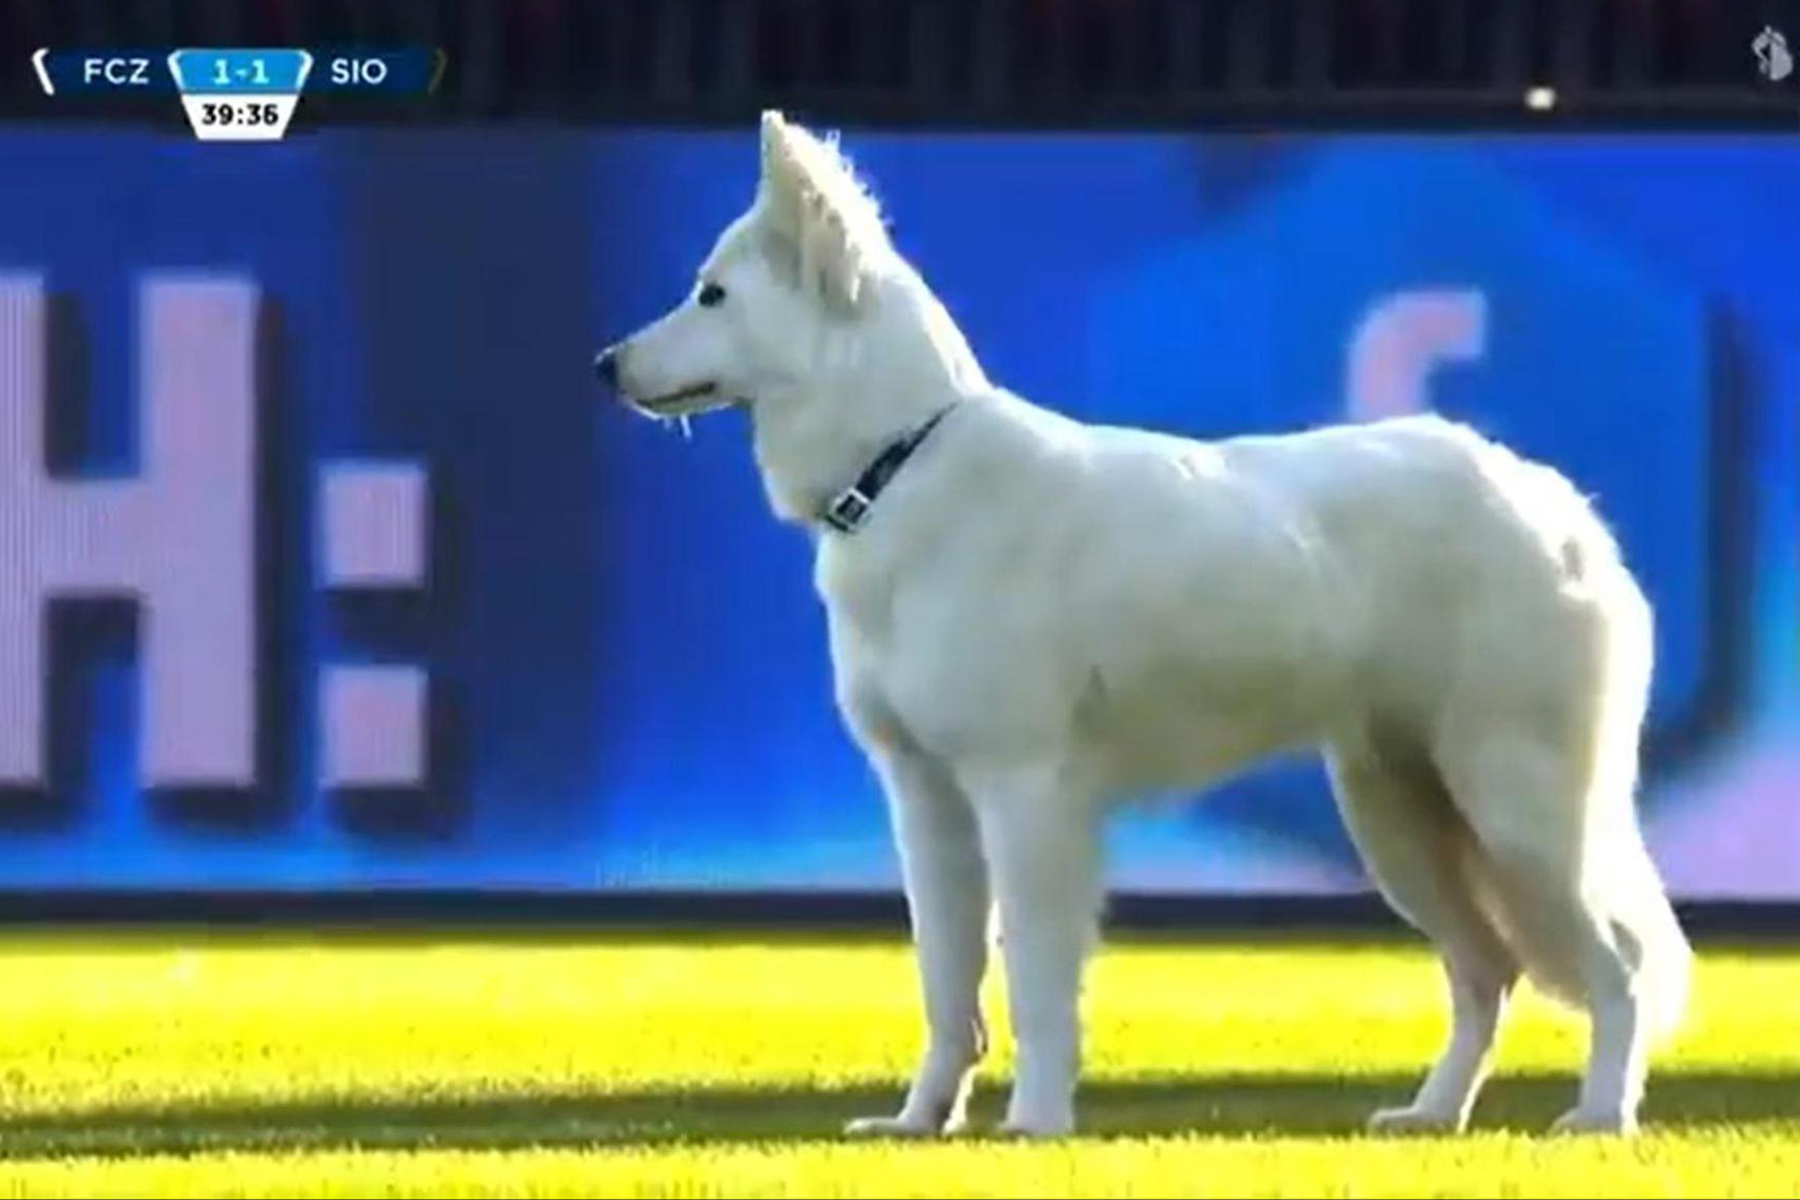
(606, 366)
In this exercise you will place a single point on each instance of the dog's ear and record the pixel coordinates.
(773, 124)
(813, 203)
(831, 260)
(781, 190)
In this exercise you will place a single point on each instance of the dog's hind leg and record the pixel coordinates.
(947, 894)
(1538, 735)
(1583, 904)
(1417, 850)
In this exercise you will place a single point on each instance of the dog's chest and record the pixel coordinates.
(935, 654)
(856, 584)
(864, 656)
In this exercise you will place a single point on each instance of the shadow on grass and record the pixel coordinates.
(1254, 1105)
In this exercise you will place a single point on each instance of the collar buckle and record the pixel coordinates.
(848, 509)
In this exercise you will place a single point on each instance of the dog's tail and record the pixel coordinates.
(1627, 899)
(1611, 879)
(1645, 925)
(1617, 870)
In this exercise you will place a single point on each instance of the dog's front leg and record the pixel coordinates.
(1041, 840)
(946, 889)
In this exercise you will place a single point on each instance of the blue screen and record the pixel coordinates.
(329, 566)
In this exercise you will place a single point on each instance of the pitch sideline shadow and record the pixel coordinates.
(1299, 1105)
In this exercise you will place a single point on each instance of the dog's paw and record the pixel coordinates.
(901, 1126)
(1030, 1133)
(1578, 1120)
(1413, 1120)
(1037, 1128)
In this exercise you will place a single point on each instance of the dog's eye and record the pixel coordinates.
(711, 294)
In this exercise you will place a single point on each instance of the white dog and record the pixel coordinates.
(1030, 617)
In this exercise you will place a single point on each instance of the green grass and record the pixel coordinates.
(209, 1065)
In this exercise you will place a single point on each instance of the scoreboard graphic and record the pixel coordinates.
(239, 94)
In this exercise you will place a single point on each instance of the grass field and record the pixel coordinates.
(246, 1065)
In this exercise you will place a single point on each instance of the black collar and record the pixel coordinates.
(850, 508)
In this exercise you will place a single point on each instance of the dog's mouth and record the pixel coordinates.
(681, 401)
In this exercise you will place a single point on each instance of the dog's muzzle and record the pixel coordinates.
(606, 366)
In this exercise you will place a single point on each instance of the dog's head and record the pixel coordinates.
(805, 258)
